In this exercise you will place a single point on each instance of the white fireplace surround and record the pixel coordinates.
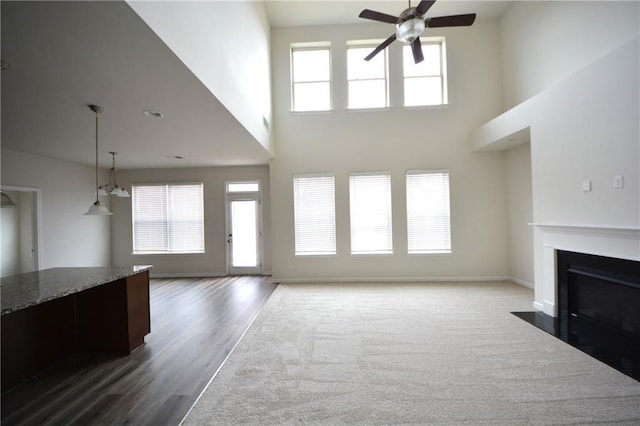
(616, 242)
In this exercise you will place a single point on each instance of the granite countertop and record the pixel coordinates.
(24, 290)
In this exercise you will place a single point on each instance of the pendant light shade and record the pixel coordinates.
(97, 209)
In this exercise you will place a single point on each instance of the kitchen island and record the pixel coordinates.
(51, 314)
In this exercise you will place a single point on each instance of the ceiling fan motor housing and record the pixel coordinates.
(410, 26)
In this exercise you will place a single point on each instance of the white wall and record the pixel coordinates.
(68, 237)
(226, 45)
(544, 42)
(211, 263)
(520, 211)
(396, 140)
(583, 128)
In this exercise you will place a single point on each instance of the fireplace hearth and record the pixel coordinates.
(598, 309)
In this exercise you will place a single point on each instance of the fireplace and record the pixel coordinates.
(599, 308)
(587, 290)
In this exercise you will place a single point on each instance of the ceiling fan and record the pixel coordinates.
(411, 23)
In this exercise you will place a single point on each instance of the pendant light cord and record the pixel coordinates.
(97, 184)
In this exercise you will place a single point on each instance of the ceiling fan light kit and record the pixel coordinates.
(411, 24)
(409, 30)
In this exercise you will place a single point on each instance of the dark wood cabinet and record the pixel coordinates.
(110, 317)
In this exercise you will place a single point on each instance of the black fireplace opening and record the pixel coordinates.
(598, 309)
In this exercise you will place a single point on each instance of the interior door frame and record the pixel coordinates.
(243, 196)
(36, 214)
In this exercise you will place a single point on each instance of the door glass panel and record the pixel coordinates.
(244, 233)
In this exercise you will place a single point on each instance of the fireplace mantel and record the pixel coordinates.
(621, 242)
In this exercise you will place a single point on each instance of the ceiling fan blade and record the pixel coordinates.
(377, 16)
(451, 21)
(380, 47)
(416, 48)
(423, 6)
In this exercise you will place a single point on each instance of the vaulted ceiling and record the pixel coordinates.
(65, 55)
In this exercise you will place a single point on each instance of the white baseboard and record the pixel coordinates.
(522, 282)
(190, 275)
(549, 308)
(538, 306)
(197, 275)
(388, 279)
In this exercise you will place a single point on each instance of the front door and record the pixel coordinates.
(243, 234)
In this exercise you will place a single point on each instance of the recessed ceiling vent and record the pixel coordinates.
(154, 114)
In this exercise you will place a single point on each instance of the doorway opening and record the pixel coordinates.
(244, 228)
(20, 217)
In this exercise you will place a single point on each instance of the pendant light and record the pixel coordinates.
(97, 209)
(112, 188)
(6, 200)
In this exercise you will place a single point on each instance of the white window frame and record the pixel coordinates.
(327, 235)
(368, 44)
(419, 240)
(168, 249)
(247, 184)
(357, 247)
(439, 41)
(308, 47)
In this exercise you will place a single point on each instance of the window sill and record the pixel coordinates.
(432, 253)
(321, 112)
(418, 107)
(368, 110)
(163, 253)
(371, 254)
(373, 109)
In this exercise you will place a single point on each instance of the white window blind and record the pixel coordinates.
(428, 215)
(370, 202)
(315, 215)
(168, 218)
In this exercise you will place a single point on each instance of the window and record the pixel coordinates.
(428, 222)
(370, 201)
(367, 79)
(238, 187)
(311, 78)
(425, 83)
(315, 217)
(168, 218)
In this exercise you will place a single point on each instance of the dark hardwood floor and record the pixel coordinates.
(195, 323)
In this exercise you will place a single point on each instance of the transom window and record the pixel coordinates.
(311, 77)
(367, 79)
(239, 187)
(425, 83)
(167, 218)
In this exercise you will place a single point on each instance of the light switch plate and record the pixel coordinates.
(618, 182)
(586, 185)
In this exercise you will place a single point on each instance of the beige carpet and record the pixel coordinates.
(410, 354)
